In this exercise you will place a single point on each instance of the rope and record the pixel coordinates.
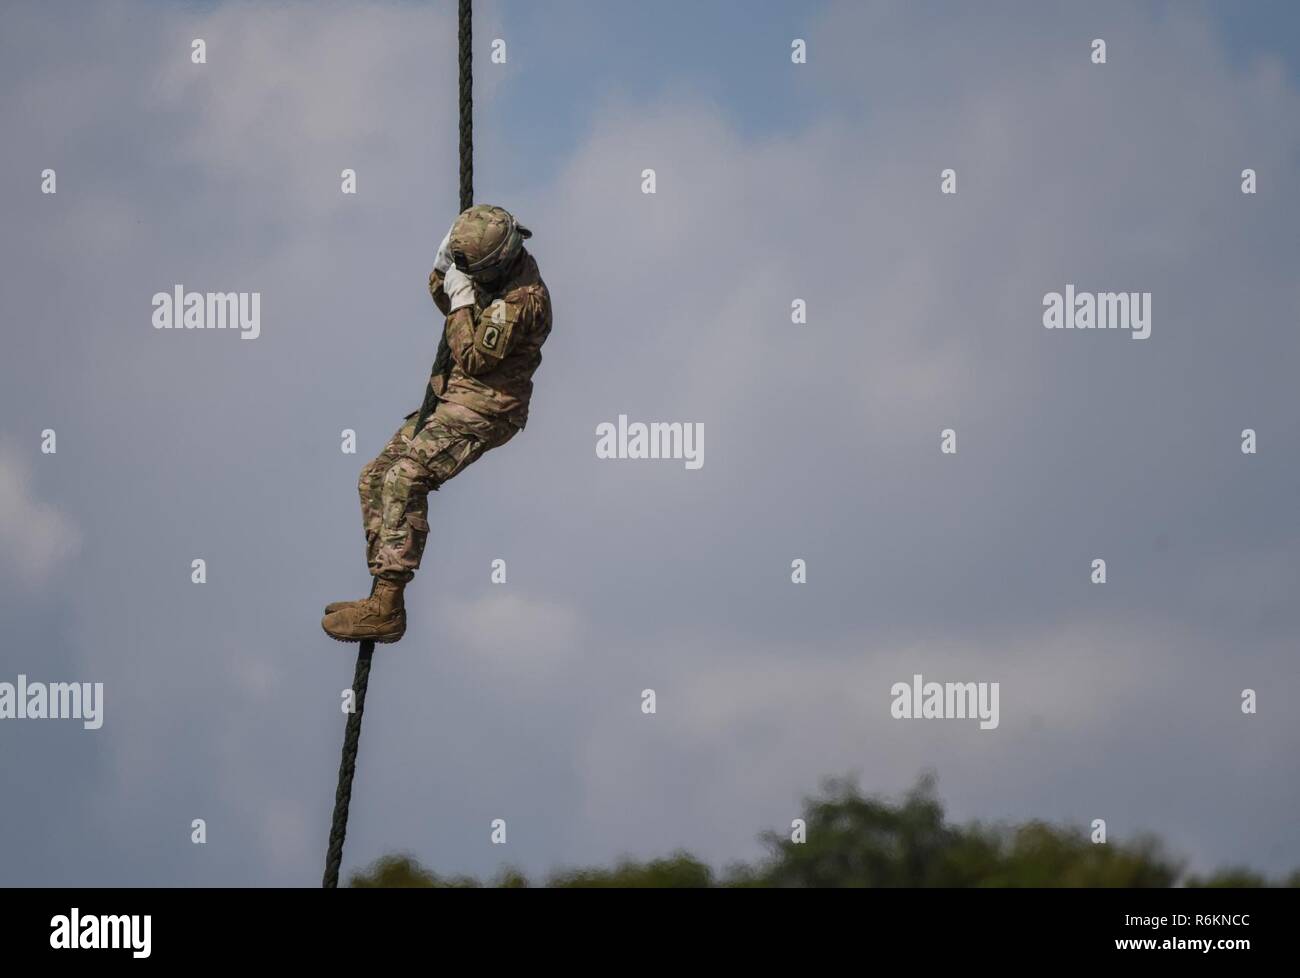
(348, 767)
(441, 363)
(466, 109)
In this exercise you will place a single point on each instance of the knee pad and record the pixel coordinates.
(406, 477)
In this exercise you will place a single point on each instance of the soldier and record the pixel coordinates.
(498, 315)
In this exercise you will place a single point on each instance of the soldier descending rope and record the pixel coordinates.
(498, 316)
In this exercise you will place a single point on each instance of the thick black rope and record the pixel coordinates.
(441, 363)
(466, 108)
(348, 767)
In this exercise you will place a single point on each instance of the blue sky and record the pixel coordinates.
(723, 52)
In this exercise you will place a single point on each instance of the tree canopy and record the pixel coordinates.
(855, 840)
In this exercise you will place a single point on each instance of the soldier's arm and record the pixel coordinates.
(481, 338)
(439, 294)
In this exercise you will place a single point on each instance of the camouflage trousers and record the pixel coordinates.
(395, 486)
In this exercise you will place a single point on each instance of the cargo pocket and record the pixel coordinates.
(416, 536)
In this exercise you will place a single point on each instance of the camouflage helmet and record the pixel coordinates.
(485, 239)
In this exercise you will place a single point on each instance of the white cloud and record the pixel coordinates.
(511, 635)
(291, 95)
(743, 730)
(286, 830)
(35, 537)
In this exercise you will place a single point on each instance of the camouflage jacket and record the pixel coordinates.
(496, 344)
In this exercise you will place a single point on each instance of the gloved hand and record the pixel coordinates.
(459, 288)
(442, 261)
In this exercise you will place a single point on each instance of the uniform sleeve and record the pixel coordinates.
(481, 338)
(439, 294)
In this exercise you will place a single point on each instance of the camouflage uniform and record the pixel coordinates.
(495, 347)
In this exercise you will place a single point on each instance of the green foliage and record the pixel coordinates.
(856, 840)
(402, 871)
(681, 869)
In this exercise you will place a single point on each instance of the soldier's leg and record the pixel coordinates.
(370, 487)
(445, 446)
(451, 440)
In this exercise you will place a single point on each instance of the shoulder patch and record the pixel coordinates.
(496, 325)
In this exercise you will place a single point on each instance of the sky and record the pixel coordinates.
(775, 181)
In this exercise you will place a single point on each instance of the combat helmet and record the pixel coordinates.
(485, 239)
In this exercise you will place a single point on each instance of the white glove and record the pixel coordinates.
(442, 261)
(459, 288)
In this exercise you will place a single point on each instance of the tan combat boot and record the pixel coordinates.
(334, 606)
(379, 618)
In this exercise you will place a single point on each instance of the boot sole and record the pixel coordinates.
(379, 639)
(369, 638)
